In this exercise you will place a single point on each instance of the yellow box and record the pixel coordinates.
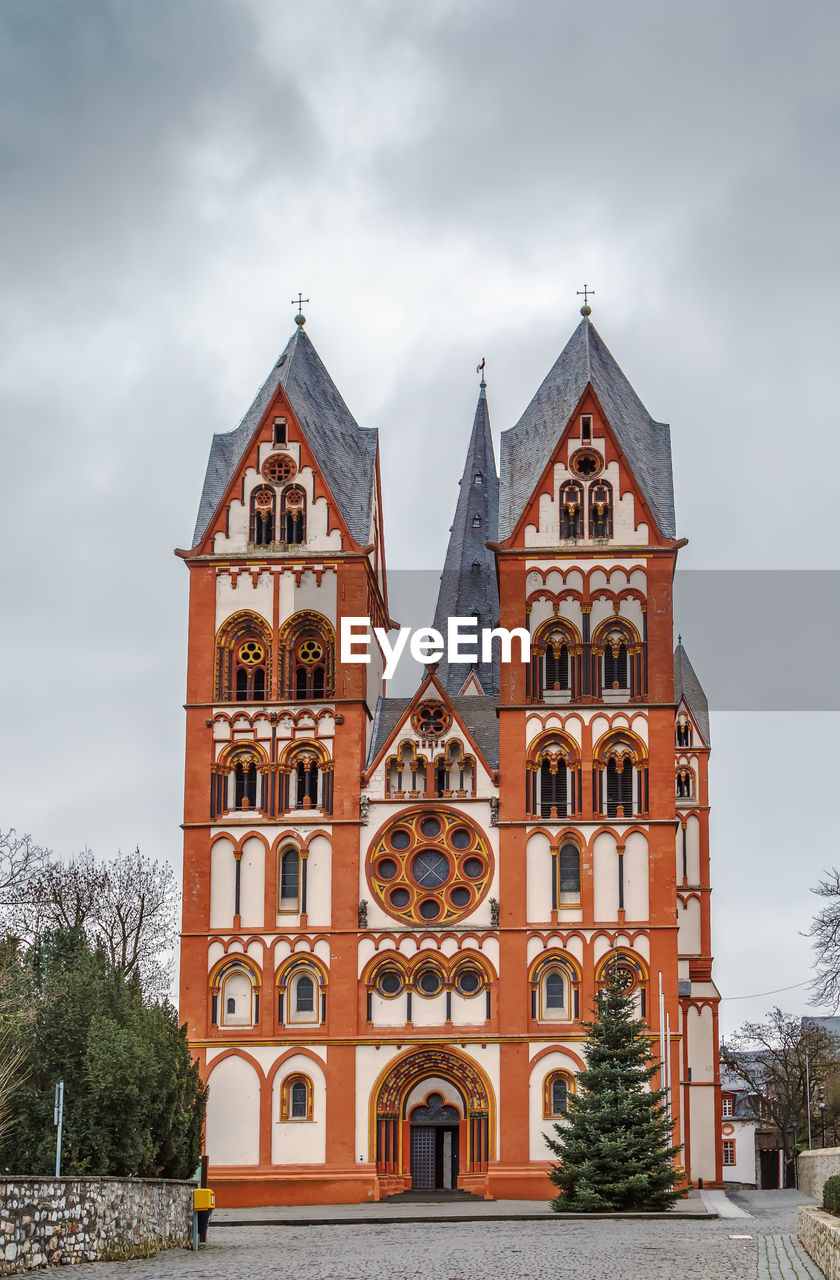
(204, 1198)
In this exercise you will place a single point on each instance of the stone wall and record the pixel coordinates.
(814, 1167)
(819, 1235)
(44, 1221)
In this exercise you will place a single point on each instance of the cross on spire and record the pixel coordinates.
(298, 302)
(584, 293)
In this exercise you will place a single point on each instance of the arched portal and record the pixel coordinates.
(432, 1113)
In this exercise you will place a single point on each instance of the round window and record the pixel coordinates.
(429, 982)
(468, 981)
(390, 983)
(279, 468)
(430, 868)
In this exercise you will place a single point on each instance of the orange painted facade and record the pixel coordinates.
(397, 912)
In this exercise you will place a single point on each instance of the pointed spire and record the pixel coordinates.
(687, 686)
(468, 585)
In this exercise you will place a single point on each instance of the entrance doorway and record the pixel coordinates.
(434, 1146)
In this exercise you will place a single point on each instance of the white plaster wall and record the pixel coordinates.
(692, 832)
(256, 598)
(703, 1133)
(252, 884)
(469, 1011)
(636, 877)
(538, 884)
(605, 876)
(299, 1141)
(319, 882)
(233, 1113)
(688, 919)
(371, 1061)
(222, 884)
(743, 1170)
(428, 1013)
(538, 1127)
(701, 1056)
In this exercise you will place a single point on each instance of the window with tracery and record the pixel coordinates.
(293, 515)
(308, 778)
(243, 659)
(685, 784)
(552, 779)
(552, 673)
(279, 468)
(308, 647)
(600, 509)
(429, 867)
(571, 510)
(683, 732)
(625, 972)
(263, 510)
(431, 719)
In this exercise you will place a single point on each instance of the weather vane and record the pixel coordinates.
(298, 302)
(479, 368)
(584, 293)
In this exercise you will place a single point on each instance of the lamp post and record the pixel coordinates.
(793, 1125)
(822, 1119)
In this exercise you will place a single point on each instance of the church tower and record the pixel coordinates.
(397, 911)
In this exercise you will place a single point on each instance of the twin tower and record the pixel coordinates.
(397, 911)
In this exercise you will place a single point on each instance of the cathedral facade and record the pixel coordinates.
(397, 911)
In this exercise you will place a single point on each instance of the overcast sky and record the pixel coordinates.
(439, 178)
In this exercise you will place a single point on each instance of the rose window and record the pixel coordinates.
(263, 499)
(429, 868)
(279, 468)
(294, 497)
(251, 652)
(586, 462)
(310, 651)
(431, 719)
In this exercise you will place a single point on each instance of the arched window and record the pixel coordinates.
(308, 645)
(552, 673)
(237, 998)
(556, 1090)
(616, 667)
(683, 732)
(289, 898)
(296, 1098)
(621, 776)
(305, 1000)
(293, 514)
(620, 667)
(244, 784)
(552, 782)
(571, 510)
(308, 780)
(304, 994)
(263, 506)
(685, 784)
(243, 659)
(454, 771)
(568, 874)
(619, 787)
(555, 995)
(600, 509)
(476, 521)
(406, 772)
(626, 972)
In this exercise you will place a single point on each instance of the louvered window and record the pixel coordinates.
(615, 668)
(552, 789)
(619, 788)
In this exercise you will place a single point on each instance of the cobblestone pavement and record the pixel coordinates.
(532, 1250)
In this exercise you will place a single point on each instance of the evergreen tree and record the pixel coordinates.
(134, 1101)
(614, 1150)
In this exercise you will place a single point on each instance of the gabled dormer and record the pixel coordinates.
(297, 475)
(433, 746)
(692, 731)
(586, 465)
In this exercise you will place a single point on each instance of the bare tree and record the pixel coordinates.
(21, 861)
(825, 932)
(13, 1074)
(770, 1057)
(128, 905)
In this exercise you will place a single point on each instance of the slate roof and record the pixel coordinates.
(528, 446)
(686, 685)
(468, 584)
(476, 713)
(344, 452)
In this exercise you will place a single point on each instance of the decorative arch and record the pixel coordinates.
(243, 659)
(620, 775)
(306, 776)
(301, 983)
(390, 1124)
(307, 644)
(553, 776)
(571, 510)
(685, 783)
(631, 972)
(600, 509)
(297, 1097)
(238, 778)
(555, 978)
(235, 982)
(555, 670)
(618, 659)
(262, 524)
(455, 771)
(406, 772)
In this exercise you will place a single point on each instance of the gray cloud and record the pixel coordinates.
(439, 179)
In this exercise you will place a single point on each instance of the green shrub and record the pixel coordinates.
(831, 1194)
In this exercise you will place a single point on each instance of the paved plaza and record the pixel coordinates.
(759, 1247)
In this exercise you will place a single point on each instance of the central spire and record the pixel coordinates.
(468, 585)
